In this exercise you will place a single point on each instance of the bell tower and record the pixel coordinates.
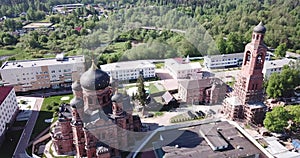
(249, 85)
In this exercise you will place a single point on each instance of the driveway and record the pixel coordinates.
(25, 137)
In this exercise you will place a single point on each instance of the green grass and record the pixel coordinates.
(153, 88)
(118, 47)
(44, 113)
(158, 113)
(198, 60)
(159, 65)
(5, 52)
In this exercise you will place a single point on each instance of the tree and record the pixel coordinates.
(141, 94)
(277, 119)
(127, 45)
(280, 51)
(295, 113)
(283, 84)
(221, 44)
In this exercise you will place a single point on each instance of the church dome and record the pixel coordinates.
(117, 97)
(76, 86)
(260, 28)
(94, 78)
(76, 102)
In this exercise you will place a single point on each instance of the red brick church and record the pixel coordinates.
(98, 119)
(246, 101)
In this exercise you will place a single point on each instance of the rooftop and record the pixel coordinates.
(41, 62)
(127, 65)
(278, 150)
(256, 105)
(225, 56)
(190, 143)
(212, 135)
(198, 83)
(234, 101)
(37, 25)
(180, 64)
(4, 91)
(277, 63)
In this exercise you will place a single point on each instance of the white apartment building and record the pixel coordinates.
(8, 109)
(129, 70)
(273, 66)
(180, 69)
(29, 75)
(225, 60)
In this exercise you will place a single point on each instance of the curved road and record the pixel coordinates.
(25, 137)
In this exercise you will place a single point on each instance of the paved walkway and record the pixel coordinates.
(25, 137)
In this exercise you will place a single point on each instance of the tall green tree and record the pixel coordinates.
(221, 44)
(280, 51)
(277, 119)
(141, 94)
(283, 84)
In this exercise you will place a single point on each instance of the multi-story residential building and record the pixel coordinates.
(179, 68)
(275, 66)
(129, 70)
(29, 75)
(8, 109)
(203, 91)
(66, 8)
(246, 101)
(224, 60)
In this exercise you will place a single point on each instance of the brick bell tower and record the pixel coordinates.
(249, 85)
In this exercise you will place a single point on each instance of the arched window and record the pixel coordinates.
(257, 37)
(103, 99)
(259, 59)
(90, 100)
(248, 57)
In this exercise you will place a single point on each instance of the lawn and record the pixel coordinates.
(153, 88)
(201, 61)
(47, 113)
(6, 52)
(159, 65)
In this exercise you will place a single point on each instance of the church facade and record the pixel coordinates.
(98, 119)
(246, 101)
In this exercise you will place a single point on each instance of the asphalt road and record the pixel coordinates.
(25, 137)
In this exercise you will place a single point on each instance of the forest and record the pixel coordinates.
(211, 27)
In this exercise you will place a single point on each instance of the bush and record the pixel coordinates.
(37, 56)
(158, 114)
(54, 104)
(9, 48)
(55, 114)
(11, 58)
(22, 102)
(56, 109)
(43, 51)
(49, 107)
